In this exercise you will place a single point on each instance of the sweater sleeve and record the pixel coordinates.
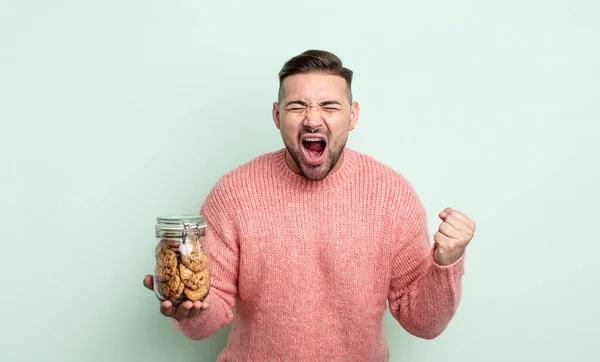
(221, 243)
(423, 295)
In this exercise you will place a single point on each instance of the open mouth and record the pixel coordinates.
(313, 150)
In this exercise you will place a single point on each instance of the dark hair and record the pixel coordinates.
(316, 61)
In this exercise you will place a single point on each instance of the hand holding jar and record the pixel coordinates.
(185, 310)
(181, 279)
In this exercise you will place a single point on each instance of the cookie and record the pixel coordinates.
(164, 273)
(193, 280)
(167, 258)
(166, 244)
(171, 289)
(178, 293)
(198, 294)
(166, 265)
(192, 257)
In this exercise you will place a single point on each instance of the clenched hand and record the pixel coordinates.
(453, 236)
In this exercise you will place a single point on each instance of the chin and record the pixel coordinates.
(313, 172)
(317, 173)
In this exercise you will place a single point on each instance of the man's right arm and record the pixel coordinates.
(222, 245)
(199, 320)
(223, 267)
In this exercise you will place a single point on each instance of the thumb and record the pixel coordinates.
(444, 214)
(149, 282)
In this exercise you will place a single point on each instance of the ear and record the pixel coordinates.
(276, 114)
(354, 111)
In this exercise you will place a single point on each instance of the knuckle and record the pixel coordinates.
(448, 230)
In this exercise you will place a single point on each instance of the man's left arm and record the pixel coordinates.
(425, 287)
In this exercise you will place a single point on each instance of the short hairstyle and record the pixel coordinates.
(316, 61)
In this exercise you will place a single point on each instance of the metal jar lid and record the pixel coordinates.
(179, 225)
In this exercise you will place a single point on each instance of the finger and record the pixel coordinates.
(445, 213)
(149, 282)
(183, 310)
(449, 231)
(205, 303)
(193, 313)
(196, 309)
(462, 217)
(455, 222)
(166, 308)
(441, 239)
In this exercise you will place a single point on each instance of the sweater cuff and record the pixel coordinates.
(207, 321)
(180, 325)
(184, 324)
(456, 267)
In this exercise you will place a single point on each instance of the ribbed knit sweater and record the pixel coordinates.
(304, 268)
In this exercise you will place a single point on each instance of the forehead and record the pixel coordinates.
(314, 86)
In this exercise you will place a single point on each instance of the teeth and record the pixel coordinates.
(313, 139)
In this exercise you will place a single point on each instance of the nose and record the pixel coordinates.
(313, 118)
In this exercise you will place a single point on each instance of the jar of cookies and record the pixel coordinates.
(181, 261)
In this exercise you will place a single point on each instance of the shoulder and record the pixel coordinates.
(250, 171)
(389, 187)
(370, 169)
(236, 183)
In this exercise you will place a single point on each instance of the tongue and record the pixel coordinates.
(314, 146)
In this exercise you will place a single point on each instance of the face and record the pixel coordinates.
(314, 116)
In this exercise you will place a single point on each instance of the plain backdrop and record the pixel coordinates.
(115, 112)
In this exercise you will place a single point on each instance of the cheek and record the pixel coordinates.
(289, 126)
(338, 126)
(288, 132)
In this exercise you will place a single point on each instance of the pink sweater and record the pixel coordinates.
(304, 268)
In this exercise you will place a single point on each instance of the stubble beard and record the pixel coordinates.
(318, 172)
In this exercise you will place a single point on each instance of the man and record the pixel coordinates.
(308, 243)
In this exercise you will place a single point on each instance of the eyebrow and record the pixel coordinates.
(303, 103)
(327, 103)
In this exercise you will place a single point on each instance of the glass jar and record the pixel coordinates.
(181, 261)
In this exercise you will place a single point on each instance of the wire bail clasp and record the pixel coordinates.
(184, 236)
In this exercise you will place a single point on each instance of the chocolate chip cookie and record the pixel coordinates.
(171, 289)
(166, 265)
(198, 294)
(166, 244)
(193, 257)
(193, 280)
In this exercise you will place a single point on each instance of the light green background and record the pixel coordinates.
(114, 112)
